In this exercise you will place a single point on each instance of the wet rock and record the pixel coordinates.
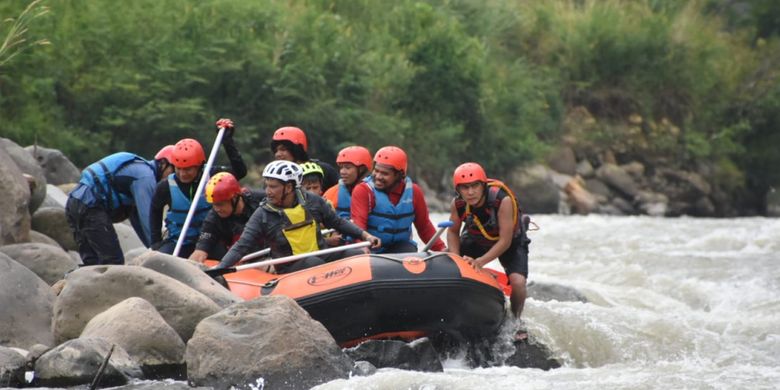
(35, 352)
(27, 165)
(598, 188)
(635, 169)
(49, 262)
(168, 385)
(91, 290)
(652, 203)
(128, 238)
(624, 206)
(704, 207)
(56, 167)
(563, 160)
(363, 368)
(419, 355)
(135, 325)
(532, 354)
(618, 179)
(26, 303)
(55, 197)
(268, 340)
(40, 238)
(773, 203)
(581, 201)
(536, 191)
(189, 273)
(554, 292)
(52, 222)
(585, 169)
(692, 185)
(12, 368)
(76, 362)
(14, 209)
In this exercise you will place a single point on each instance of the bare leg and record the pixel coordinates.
(517, 281)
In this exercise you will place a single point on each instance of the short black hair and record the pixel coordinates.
(297, 150)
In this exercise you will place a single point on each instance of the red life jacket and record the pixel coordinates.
(487, 232)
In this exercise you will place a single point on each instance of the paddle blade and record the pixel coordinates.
(444, 224)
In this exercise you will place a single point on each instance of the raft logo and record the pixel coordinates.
(329, 277)
(414, 265)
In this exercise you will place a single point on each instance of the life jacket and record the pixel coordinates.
(486, 233)
(180, 206)
(99, 176)
(238, 222)
(344, 202)
(392, 223)
(301, 228)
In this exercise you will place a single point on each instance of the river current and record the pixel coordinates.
(673, 303)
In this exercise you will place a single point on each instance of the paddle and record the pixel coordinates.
(442, 227)
(266, 251)
(203, 179)
(221, 271)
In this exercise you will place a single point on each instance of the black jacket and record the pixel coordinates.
(216, 230)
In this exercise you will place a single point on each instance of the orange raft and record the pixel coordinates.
(383, 296)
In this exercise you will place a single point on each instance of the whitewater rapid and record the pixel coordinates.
(673, 303)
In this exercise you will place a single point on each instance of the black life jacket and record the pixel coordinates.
(485, 230)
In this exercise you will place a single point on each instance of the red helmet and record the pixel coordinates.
(356, 155)
(165, 153)
(392, 156)
(188, 153)
(292, 134)
(468, 173)
(221, 187)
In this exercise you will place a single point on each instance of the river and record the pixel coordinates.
(674, 303)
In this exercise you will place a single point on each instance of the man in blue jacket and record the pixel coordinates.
(117, 187)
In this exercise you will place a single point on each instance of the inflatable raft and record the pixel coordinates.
(384, 296)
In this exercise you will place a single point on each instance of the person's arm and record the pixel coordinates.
(453, 232)
(161, 197)
(422, 221)
(209, 233)
(237, 165)
(506, 230)
(142, 189)
(341, 225)
(361, 199)
(248, 242)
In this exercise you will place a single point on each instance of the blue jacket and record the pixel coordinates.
(392, 223)
(180, 206)
(344, 204)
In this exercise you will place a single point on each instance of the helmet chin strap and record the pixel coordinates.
(234, 203)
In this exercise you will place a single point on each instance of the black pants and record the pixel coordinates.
(399, 247)
(514, 259)
(94, 234)
(314, 261)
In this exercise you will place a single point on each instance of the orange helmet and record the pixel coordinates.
(221, 187)
(356, 155)
(468, 173)
(188, 153)
(392, 156)
(165, 153)
(292, 134)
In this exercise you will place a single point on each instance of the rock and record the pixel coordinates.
(135, 325)
(40, 238)
(693, 185)
(624, 206)
(418, 355)
(67, 187)
(75, 256)
(704, 207)
(35, 352)
(773, 203)
(651, 203)
(12, 368)
(536, 191)
(585, 169)
(635, 169)
(28, 165)
(76, 362)
(532, 354)
(363, 368)
(598, 189)
(581, 201)
(50, 263)
(91, 290)
(167, 385)
(431, 199)
(189, 273)
(128, 238)
(14, 209)
(268, 340)
(26, 302)
(56, 167)
(52, 222)
(609, 209)
(554, 292)
(135, 256)
(562, 160)
(618, 179)
(54, 197)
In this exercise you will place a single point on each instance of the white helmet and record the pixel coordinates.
(285, 171)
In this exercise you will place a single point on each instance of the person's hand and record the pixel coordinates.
(376, 243)
(227, 124)
(334, 239)
(199, 256)
(475, 263)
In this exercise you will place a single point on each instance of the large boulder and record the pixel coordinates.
(581, 201)
(14, 209)
(419, 355)
(91, 290)
(189, 273)
(50, 263)
(26, 302)
(76, 362)
(535, 189)
(532, 354)
(618, 179)
(135, 325)
(56, 167)
(128, 238)
(29, 166)
(52, 222)
(652, 203)
(55, 197)
(563, 160)
(40, 238)
(12, 367)
(268, 340)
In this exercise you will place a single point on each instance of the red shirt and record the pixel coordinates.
(363, 202)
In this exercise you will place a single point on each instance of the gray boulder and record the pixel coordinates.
(14, 209)
(52, 222)
(12, 368)
(554, 292)
(618, 179)
(652, 203)
(136, 256)
(773, 203)
(91, 290)
(40, 238)
(268, 340)
(563, 160)
(135, 325)
(29, 166)
(536, 191)
(26, 302)
(76, 362)
(419, 355)
(363, 368)
(128, 238)
(50, 263)
(56, 167)
(55, 197)
(189, 273)
(532, 354)
(585, 169)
